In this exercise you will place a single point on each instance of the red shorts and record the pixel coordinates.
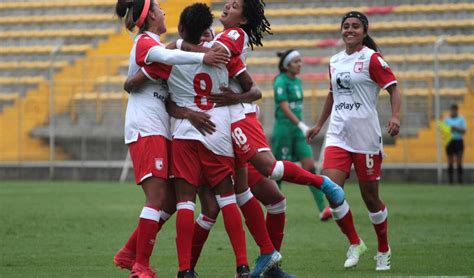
(253, 175)
(367, 166)
(193, 162)
(248, 138)
(150, 157)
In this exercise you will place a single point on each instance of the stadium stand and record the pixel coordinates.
(90, 53)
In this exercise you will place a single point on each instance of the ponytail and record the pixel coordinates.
(130, 10)
(370, 43)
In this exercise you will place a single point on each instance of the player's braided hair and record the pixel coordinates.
(257, 24)
(195, 19)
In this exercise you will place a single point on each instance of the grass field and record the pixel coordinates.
(72, 229)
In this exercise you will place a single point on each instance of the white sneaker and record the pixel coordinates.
(383, 260)
(354, 253)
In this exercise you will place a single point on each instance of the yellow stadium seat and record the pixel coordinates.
(75, 48)
(57, 18)
(16, 65)
(30, 80)
(57, 33)
(56, 4)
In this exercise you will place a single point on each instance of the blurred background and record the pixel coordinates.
(63, 63)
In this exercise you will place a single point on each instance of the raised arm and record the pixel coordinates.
(179, 57)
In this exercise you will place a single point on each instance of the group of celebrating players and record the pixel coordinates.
(192, 129)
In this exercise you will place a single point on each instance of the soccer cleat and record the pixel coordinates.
(383, 260)
(243, 271)
(265, 262)
(124, 258)
(277, 272)
(354, 253)
(325, 214)
(141, 271)
(333, 192)
(190, 273)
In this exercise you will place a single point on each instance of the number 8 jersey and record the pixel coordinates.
(190, 86)
(356, 80)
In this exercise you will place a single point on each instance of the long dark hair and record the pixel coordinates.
(131, 10)
(195, 19)
(367, 41)
(257, 24)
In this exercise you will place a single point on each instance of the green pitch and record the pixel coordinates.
(72, 229)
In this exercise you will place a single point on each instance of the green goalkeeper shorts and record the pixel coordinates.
(289, 143)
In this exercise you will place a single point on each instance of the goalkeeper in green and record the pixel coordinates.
(289, 131)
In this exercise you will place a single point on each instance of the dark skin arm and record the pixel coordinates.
(228, 97)
(134, 82)
(200, 120)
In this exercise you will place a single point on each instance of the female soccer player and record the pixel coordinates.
(147, 128)
(354, 137)
(289, 130)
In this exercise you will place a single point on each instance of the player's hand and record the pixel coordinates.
(393, 126)
(225, 98)
(312, 132)
(214, 58)
(202, 122)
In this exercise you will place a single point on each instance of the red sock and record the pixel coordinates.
(132, 241)
(276, 227)
(147, 230)
(184, 234)
(295, 174)
(347, 227)
(255, 222)
(382, 238)
(202, 227)
(233, 226)
(379, 220)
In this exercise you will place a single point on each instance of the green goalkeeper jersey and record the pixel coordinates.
(290, 90)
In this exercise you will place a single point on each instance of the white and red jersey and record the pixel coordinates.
(189, 87)
(235, 41)
(356, 80)
(146, 112)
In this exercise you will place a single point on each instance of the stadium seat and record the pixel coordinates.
(17, 65)
(57, 33)
(57, 18)
(55, 4)
(75, 48)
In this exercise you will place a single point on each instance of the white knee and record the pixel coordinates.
(277, 208)
(340, 211)
(278, 170)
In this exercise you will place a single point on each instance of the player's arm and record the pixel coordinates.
(134, 82)
(200, 120)
(285, 107)
(393, 125)
(251, 92)
(178, 57)
(327, 108)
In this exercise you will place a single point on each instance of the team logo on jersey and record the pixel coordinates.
(159, 163)
(233, 35)
(383, 63)
(343, 80)
(358, 67)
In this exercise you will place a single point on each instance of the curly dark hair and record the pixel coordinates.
(195, 19)
(257, 24)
